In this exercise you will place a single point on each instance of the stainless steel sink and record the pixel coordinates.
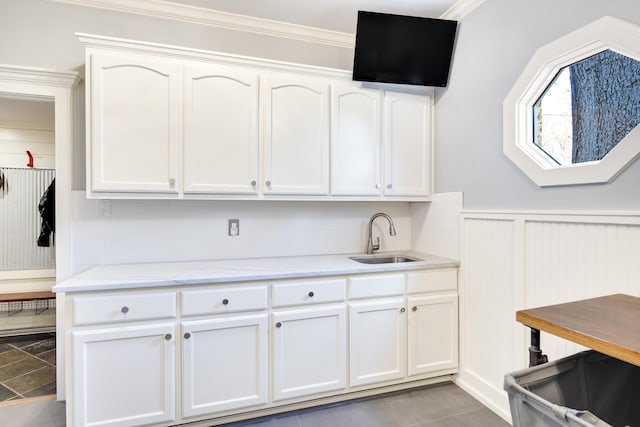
(391, 259)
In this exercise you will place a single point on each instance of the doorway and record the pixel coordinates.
(27, 258)
(35, 89)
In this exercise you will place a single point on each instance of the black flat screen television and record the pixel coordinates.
(403, 49)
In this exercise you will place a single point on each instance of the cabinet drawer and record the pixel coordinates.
(308, 292)
(226, 299)
(123, 307)
(432, 281)
(376, 286)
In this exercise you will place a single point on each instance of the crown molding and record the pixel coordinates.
(198, 15)
(39, 76)
(461, 9)
(214, 18)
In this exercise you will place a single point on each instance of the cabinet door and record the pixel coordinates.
(133, 127)
(377, 350)
(355, 141)
(309, 351)
(433, 333)
(124, 376)
(296, 138)
(220, 130)
(407, 144)
(224, 364)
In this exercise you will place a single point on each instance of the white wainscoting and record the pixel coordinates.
(516, 260)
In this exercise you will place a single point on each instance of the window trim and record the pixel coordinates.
(605, 33)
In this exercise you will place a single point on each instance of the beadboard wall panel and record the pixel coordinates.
(512, 261)
(487, 298)
(20, 221)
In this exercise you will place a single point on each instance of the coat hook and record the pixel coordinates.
(30, 163)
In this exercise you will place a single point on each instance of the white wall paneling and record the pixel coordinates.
(512, 261)
(21, 222)
(14, 142)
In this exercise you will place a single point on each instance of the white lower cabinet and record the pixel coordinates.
(433, 333)
(254, 346)
(377, 343)
(124, 376)
(309, 351)
(224, 364)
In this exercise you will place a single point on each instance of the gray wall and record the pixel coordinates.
(495, 42)
(41, 34)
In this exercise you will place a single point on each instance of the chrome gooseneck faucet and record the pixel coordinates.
(371, 248)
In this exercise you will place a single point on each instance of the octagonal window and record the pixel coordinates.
(588, 108)
(572, 116)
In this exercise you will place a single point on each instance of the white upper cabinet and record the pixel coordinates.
(220, 130)
(168, 122)
(296, 136)
(133, 123)
(356, 140)
(408, 156)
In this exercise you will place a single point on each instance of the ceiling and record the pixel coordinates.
(333, 15)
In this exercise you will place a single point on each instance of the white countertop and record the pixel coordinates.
(128, 276)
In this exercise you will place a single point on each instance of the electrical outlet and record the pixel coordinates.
(234, 227)
(103, 208)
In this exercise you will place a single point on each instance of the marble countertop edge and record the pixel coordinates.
(184, 273)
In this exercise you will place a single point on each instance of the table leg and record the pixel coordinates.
(535, 353)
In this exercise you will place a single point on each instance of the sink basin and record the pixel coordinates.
(392, 259)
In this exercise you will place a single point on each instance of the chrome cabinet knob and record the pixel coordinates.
(187, 335)
(125, 309)
(414, 308)
(172, 181)
(168, 337)
(268, 183)
(378, 186)
(389, 186)
(278, 325)
(253, 183)
(311, 294)
(225, 301)
(402, 310)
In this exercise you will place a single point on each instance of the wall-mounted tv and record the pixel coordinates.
(403, 49)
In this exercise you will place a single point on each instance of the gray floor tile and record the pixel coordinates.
(19, 368)
(6, 394)
(368, 413)
(24, 340)
(432, 403)
(384, 411)
(46, 413)
(479, 418)
(40, 346)
(284, 420)
(44, 390)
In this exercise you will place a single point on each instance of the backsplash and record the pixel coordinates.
(179, 230)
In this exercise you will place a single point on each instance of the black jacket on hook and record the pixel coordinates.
(47, 208)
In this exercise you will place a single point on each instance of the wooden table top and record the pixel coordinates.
(609, 325)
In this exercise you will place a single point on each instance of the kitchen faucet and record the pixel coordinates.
(371, 248)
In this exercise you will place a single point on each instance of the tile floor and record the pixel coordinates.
(443, 405)
(27, 366)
